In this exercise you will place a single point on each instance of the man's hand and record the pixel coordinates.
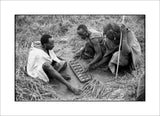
(78, 55)
(95, 66)
(124, 29)
(124, 32)
(87, 68)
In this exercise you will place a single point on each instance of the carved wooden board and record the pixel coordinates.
(78, 69)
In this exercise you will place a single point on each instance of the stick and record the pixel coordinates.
(119, 49)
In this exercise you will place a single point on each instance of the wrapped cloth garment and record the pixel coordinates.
(131, 58)
(37, 57)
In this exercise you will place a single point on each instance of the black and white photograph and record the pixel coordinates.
(84, 57)
(80, 57)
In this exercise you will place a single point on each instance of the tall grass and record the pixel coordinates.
(29, 28)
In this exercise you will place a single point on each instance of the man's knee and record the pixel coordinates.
(46, 66)
(123, 59)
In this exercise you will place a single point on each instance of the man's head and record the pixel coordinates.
(112, 31)
(82, 31)
(47, 42)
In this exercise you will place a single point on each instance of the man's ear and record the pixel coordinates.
(44, 46)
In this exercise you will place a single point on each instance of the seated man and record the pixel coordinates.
(130, 48)
(43, 63)
(94, 45)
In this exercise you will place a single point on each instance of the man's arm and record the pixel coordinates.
(104, 60)
(125, 47)
(79, 53)
(98, 54)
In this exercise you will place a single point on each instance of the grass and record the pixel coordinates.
(29, 28)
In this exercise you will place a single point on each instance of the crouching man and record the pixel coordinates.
(44, 64)
(93, 48)
(130, 51)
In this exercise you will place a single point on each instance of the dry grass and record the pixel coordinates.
(30, 28)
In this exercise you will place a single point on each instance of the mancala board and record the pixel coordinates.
(78, 70)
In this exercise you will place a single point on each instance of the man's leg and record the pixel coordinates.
(66, 76)
(52, 73)
(60, 67)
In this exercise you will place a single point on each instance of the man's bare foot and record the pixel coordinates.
(76, 91)
(112, 68)
(66, 77)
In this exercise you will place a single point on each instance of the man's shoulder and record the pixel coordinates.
(36, 48)
(96, 41)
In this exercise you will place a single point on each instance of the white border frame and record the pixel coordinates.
(10, 107)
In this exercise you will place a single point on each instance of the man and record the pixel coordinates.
(92, 49)
(44, 64)
(130, 49)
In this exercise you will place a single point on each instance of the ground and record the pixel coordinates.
(63, 27)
